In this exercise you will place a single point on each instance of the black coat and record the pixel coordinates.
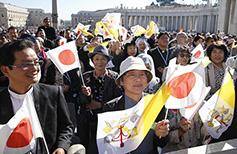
(52, 111)
(158, 60)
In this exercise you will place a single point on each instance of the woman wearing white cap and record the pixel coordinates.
(134, 78)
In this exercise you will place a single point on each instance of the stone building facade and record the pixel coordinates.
(201, 18)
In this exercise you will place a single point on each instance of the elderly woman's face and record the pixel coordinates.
(217, 55)
(183, 58)
(100, 61)
(142, 46)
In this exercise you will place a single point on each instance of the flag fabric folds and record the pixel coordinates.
(197, 54)
(152, 29)
(111, 22)
(187, 84)
(138, 30)
(20, 133)
(123, 33)
(82, 29)
(217, 113)
(123, 131)
(65, 57)
(181, 30)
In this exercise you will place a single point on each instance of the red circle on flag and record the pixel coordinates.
(67, 57)
(197, 54)
(182, 85)
(190, 106)
(106, 33)
(21, 135)
(123, 30)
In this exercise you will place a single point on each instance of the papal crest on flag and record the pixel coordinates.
(19, 135)
(218, 112)
(187, 85)
(197, 54)
(123, 131)
(65, 57)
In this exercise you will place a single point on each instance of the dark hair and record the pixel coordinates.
(46, 18)
(12, 27)
(126, 48)
(196, 38)
(163, 33)
(218, 45)
(172, 41)
(7, 51)
(180, 49)
(3, 34)
(40, 29)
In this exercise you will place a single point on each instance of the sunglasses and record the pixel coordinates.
(182, 55)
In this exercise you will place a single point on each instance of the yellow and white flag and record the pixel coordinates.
(123, 131)
(206, 61)
(112, 21)
(218, 112)
(82, 29)
(152, 29)
(138, 30)
(103, 43)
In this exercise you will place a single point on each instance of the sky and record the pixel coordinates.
(68, 7)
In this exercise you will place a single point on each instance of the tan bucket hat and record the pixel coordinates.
(132, 63)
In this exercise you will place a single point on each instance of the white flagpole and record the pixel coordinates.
(80, 72)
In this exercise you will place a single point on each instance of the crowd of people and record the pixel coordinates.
(115, 77)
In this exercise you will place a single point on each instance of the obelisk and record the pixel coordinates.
(55, 14)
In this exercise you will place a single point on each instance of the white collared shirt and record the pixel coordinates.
(17, 99)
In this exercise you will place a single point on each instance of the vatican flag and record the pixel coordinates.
(217, 113)
(123, 131)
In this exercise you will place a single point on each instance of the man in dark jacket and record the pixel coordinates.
(134, 78)
(49, 31)
(21, 65)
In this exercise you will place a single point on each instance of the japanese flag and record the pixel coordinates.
(20, 133)
(128, 39)
(123, 32)
(197, 54)
(65, 57)
(187, 85)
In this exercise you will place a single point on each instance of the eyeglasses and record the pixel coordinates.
(182, 36)
(100, 59)
(27, 66)
(164, 38)
(134, 76)
(184, 55)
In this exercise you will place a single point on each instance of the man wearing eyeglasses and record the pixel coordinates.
(21, 65)
(160, 54)
(49, 31)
